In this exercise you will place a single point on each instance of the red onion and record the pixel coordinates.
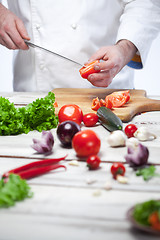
(137, 156)
(45, 144)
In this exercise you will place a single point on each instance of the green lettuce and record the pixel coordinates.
(15, 189)
(38, 115)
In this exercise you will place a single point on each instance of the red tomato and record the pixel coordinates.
(70, 112)
(117, 169)
(93, 162)
(86, 143)
(95, 104)
(88, 69)
(119, 98)
(90, 119)
(130, 129)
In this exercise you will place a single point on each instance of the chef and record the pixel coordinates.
(118, 32)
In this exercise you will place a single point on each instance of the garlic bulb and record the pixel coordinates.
(132, 142)
(142, 134)
(117, 139)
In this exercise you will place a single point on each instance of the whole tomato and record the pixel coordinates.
(86, 143)
(117, 169)
(70, 112)
(90, 119)
(93, 162)
(130, 129)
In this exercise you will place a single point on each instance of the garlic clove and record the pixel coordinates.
(132, 142)
(142, 134)
(122, 179)
(117, 139)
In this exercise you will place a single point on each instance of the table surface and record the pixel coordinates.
(74, 204)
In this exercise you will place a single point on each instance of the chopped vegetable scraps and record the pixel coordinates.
(113, 100)
(15, 189)
(38, 115)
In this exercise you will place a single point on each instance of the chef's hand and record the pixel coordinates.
(12, 30)
(114, 59)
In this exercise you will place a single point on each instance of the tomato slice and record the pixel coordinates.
(119, 98)
(108, 103)
(88, 69)
(95, 104)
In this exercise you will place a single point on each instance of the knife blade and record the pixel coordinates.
(30, 44)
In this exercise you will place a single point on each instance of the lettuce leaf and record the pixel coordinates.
(38, 115)
(15, 189)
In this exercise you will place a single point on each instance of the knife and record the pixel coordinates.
(30, 44)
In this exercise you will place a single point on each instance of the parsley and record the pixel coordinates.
(147, 173)
(15, 189)
(38, 115)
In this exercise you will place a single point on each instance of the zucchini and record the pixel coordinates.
(109, 120)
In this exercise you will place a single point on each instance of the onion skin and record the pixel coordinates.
(137, 156)
(45, 144)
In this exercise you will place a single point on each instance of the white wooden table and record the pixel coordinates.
(65, 205)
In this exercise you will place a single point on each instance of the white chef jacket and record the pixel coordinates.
(76, 29)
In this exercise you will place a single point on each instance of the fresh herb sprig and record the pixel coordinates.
(15, 189)
(38, 115)
(147, 173)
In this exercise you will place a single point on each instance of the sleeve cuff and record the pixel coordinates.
(136, 62)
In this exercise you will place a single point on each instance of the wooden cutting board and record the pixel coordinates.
(138, 102)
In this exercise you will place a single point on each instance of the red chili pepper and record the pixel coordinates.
(34, 172)
(34, 169)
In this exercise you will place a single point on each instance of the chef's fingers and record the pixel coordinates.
(103, 78)
(104, 65)
(8, 42)
(3, 43)
(17, 33)
(21, 29)
(100, 54)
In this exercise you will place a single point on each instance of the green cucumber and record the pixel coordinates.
(109, 120)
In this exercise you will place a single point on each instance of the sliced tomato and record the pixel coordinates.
(119, 98)
(88, 69)
(108, 103)
(95, 104)
(102, 102)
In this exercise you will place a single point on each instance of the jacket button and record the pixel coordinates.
(38, 26)
(74, 25)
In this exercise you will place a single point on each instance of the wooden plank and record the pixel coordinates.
(81, 177)
(69, 213)
(17, 227)
(20, 146)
